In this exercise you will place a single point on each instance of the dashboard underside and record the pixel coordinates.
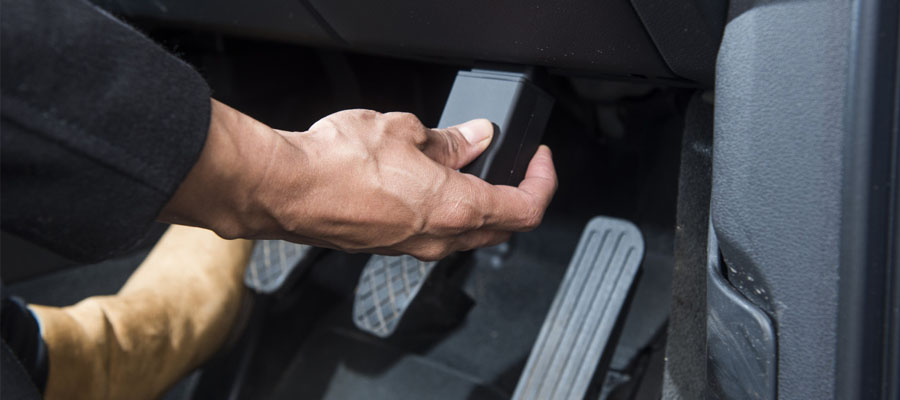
(637, 39)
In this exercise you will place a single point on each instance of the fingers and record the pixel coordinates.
(522, 208)
(457, 146)
(434, 249)
(540, 177)
(506, 209)
(481, 238)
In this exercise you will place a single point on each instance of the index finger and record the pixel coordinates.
(521, 208)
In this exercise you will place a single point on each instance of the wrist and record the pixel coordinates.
(219, 193)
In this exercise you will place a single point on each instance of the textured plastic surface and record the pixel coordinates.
(603, 37)
(685, 361)
(273, 262)
(386, 287)
(519, 111)
(781, 87)
(868, 359)
(584, 312)
(272, 19)
(687, 34)
(740, 340)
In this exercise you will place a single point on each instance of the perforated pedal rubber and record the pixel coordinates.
(273, 262)
(386, 287)
(584, 312)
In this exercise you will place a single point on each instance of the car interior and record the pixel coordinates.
(725, 225)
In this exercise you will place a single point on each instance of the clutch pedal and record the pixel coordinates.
(274, 263)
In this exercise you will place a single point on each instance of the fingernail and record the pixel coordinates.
(477, 131)
(547, 149)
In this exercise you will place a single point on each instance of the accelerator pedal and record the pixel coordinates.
(274, 264)
(582, 318)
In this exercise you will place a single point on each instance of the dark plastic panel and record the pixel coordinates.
(740, 340)
(687, 34)
(685, 361)
(596, 37)
(286, 20)
(600, 36)
(777, 173)
(869, 318)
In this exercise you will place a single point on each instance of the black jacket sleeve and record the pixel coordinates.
(99, 127)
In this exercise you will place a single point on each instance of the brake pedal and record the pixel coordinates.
(386, 287)
(274, 263)
(576, 334)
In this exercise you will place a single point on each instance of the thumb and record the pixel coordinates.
(458, 145)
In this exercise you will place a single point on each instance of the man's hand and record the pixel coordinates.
(358, 180)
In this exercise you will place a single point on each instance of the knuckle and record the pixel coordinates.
(404, 118)
(432, 253)
(473, 242)
(462, 217)
(534, 218)
(355, 114)
(229, 232)
(419, 137)
(286, 222)
(496, 238)
(451, 142)
(405, 125)
(365, 113)
(410, 118)
(445, 251)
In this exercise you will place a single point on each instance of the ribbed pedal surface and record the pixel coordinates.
(272, 263)
(584, 312)
(386, 287)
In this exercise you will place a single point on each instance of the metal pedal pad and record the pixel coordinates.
(273, 262)
(581, 320)
(387, 285)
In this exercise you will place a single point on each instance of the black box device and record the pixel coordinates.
(519, 111)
